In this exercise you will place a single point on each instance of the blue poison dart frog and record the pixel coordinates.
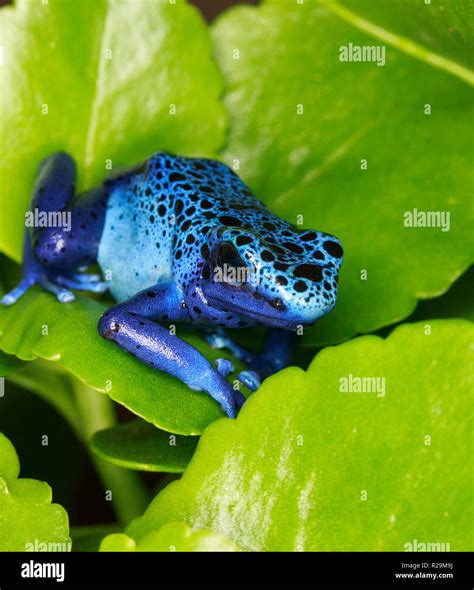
(182, 240)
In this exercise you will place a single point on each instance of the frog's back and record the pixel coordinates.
(137, 247)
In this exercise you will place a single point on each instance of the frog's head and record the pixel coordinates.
(285, 279)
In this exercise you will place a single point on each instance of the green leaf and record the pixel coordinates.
(444, 29)
(302, 122)
(8, 364)
(27, 516)
(110, 74)
(139, 445)
(38, 326)
(173, 536)
(310, 466)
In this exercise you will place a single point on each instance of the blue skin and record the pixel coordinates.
(183, 240)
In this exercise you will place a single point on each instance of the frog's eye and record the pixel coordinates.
(229, 267)
(228, 255)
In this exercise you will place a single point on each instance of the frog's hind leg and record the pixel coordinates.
(73, 242)
(57, 241)
(131, 325)
(276, 355)
(55, 184)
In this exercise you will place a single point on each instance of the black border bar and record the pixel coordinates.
(453, 570)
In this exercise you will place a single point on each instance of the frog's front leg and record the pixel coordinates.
(131, 325)
(277, 352)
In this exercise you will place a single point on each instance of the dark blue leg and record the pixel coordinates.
(277, 353)
(66, 249)
(52, 254)
(278, 349)
(131, 326)
(55, 185)
(33, 274)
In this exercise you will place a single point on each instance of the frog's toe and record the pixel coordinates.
(8, 299)
(230, 400)
(83, 283)
(99, 287)
(13, 296)
(85, 277)
(250, 379)
(62, 295)
(224, 366)
(229, 405)
(217, 339)
(90, 282)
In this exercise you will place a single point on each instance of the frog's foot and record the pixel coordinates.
(83, 282)
(250, 379)
(13, 296)
(41, 279)
(259, 365)
(218, 339)
(57, 284)
(276, 354)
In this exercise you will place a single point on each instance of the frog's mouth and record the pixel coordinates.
(250, 305)
(230, 284)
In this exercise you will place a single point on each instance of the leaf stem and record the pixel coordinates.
(54, 387)
(96, 412)
(86, 411)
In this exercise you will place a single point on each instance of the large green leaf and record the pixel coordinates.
(442, 27)
(39, 326)
(139, 445)
(173, 536)
(28, 520)
(119, 80)
(310, 466)
(302, 122)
